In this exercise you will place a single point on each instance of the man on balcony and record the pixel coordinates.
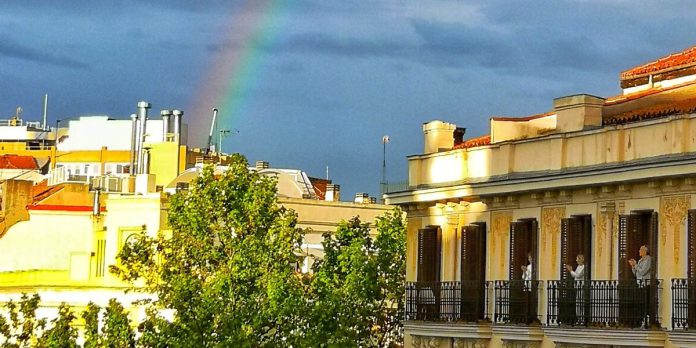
(641, 269)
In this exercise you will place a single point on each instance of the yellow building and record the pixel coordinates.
(493, 221)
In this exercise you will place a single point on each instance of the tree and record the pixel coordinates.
(358, 287)
(225, 272)
(61, 334)
(117, 331)
(23, 329)
(91, 318)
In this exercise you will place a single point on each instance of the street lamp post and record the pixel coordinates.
(223, 133)
(385, 140)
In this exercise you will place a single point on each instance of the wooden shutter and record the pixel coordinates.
(691, 247)
(533, 233)
(586, 226)
(429, 251)
(624, 269)
(473, 252)
(566, 226)
(652, 243)
(523, 240)
(517, 252)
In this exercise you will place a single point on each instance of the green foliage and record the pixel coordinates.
(117, 331)
(225, 271)
(91, 318)
(61, 334)
(23, 329)
(358, 287)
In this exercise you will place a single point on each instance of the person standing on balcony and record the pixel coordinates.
(642, 268)
(527, 272)
(579, 273)
(642, 271)
(578, 276)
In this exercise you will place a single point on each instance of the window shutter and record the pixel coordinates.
(533, 233)
(652, 243)
(473, 252)
(429, 254)
(691, 247)
(566, 225)
(516, 228)
(624, 269)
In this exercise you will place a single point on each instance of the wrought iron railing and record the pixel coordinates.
(447, 301)
(517, 301)
(604, 303)
(684, 304)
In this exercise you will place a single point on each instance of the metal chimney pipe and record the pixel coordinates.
(165, 123)
(133, 150)
(146, 161)
(96, 208)
(45, 111)
(142, 119)
(178, 114)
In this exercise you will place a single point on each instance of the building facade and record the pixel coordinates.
(536, 234)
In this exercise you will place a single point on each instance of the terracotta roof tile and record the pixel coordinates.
(654, 111)
(474, 142)
(684, 58)
(18, 162)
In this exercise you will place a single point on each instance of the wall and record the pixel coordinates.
(609, 145)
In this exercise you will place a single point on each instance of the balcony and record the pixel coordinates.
(597, 303)
(465, 301)
(516, 301)
(604, 303)
(683, 304)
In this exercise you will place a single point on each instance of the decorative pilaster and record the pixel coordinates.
(673, 210)
(551, 231)
(606, 232)
(500, 231)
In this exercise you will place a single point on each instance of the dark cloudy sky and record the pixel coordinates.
(337, 75)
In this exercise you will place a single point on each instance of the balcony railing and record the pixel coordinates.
(604, 303)
(447, 301)
(516, 301)
(683, 304)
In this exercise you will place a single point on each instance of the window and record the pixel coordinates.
(576, 239)
(636, 229)
(429, 254)
(523, 243)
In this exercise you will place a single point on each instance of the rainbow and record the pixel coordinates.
(227, 83)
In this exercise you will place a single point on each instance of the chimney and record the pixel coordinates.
(362, 197)
(578, 112)
(133, 148)
(165, 123)
(142, 120)
(333, 193)
(262, 165)
(440, 135)
(178, 114)
(96, 208)
(146, 161)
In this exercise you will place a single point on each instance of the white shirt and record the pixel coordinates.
(578, 273)
(527, 274)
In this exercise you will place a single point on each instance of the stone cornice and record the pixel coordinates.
(611, 337)
(480, 331)
(600, 176)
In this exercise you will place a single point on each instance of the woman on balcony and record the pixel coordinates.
(578, 276)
